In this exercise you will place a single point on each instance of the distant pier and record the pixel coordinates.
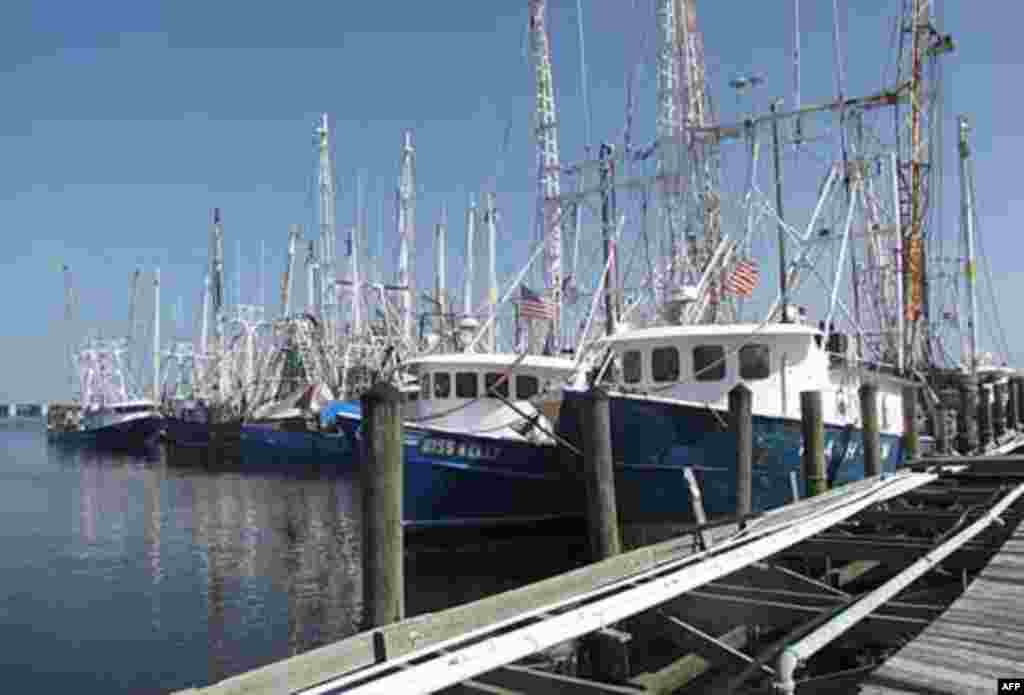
(26, 411)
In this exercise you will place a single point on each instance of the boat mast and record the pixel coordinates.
(328, 284)
(440, 270)
(406, 208)
(238, 273)
(611, 309)
(294, 233)
(353, 249)
(702, 140)
(783, 298)
(967, 226)
(217, 273)
(668, 130)
(203, 329)
(69, 318)
(545, 129)
(156, 335)
(467, 290)
(913, 244)
(490, 217)
(311, 273)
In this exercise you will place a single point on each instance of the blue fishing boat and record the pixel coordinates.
(110, 414)
(477, 443)
(119, 425)
(668, 394)
(288, 430)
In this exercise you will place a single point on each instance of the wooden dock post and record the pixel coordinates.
(968, 415)
(1018, 383)
(998, 411)
(741, 424)
(602, 517)
(813, 426)
(869, 429)
(910, 436)
(381, 473)
(943, 445)
(984, 415)
(1012, 405)
(608, 649)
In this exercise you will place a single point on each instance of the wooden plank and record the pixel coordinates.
(682, 671)
(301, 670)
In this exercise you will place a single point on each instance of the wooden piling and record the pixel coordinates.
(741, 424)
(1012, 405)
(602, 517)
(869, 429)
(607, 649)
(813, 428)
(968, 415)
(998, 411)
(381, 474)
(943, 446)
(984, 415)
(910, 435)
(1019, 388)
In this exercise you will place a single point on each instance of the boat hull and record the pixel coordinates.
(654, 440)
(265, 443)
(129, 434)
(456, 479)
(185, 437)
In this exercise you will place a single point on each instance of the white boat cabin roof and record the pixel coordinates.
(549, 366)
(710, 332)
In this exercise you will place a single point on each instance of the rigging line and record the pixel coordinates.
(988, 282)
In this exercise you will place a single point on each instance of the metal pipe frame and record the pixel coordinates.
(793, 655)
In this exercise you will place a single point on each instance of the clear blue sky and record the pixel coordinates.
(123, 123)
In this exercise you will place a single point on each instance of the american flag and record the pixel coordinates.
(744, 278)
(533, 306)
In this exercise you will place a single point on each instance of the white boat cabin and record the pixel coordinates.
(472, 392)
(700, 364)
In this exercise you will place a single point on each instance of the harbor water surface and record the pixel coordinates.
(130, 574)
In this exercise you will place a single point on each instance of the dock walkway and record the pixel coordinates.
(980, 637)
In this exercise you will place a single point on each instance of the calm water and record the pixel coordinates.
(127, 574)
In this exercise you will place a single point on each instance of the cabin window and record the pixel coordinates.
(442, 385)
(665, 364)
(425, 387)
(709, 362)
(755, 362)
(497, 383)
(632, 367)
(466, 385)
(527, 386)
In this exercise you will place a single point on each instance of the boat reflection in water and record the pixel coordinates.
(198, 574)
